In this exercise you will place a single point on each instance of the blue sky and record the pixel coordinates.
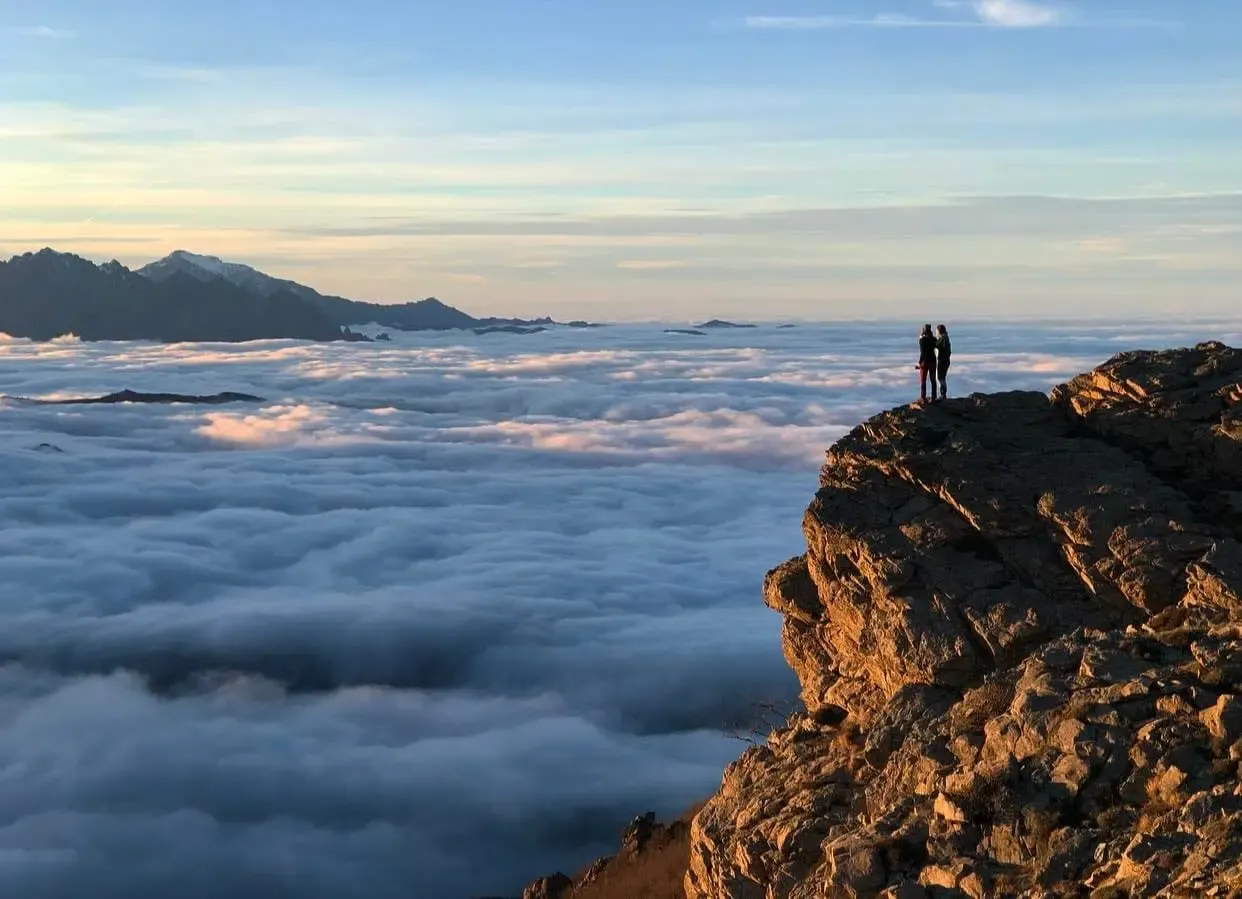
(639, 159)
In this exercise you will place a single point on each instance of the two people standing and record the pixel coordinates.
(934, 356)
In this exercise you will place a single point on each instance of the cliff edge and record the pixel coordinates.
(1018, 630)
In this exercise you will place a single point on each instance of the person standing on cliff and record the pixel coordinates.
(944, 350)
(927, 363)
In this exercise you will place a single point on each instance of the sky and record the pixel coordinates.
(765, 158)
(430, 618)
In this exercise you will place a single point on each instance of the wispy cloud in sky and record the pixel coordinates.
(978, 14)
(999, 14)
(1010, 13)
(880, 20)
(41, 31)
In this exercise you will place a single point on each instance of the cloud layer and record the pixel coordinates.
(429, 621)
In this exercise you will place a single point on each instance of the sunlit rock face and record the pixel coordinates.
(1018, 630)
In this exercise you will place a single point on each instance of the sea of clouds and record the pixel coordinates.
(436, 617)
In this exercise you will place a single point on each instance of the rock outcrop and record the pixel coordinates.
(1018, 630)
(650, 864)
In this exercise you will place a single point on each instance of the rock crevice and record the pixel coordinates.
(1018, 630)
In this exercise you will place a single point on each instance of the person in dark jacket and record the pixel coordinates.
(944, 350)
(927, 363)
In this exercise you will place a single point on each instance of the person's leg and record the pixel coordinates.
(925, 375)
(944, 377)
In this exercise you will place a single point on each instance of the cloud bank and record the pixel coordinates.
(433, 618)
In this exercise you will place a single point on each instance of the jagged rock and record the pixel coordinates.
(639, 833)
(946, 808)
(1180, 412)
(855, 867)
(555, 887)
(595, 871)
(649, 864)
(1224, 720)
(1018, 631)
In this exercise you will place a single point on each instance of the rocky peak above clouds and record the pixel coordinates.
(192, 297)
(1018, 631)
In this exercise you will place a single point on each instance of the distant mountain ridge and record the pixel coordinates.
(420, 315)
(191, 297)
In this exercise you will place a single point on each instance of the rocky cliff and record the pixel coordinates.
(1018, 630)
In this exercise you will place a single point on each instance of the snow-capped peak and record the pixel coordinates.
(212, 264)
(199, 266)
(205, 268)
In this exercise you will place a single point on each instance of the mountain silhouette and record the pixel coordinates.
(422, 315)
(188, 297)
